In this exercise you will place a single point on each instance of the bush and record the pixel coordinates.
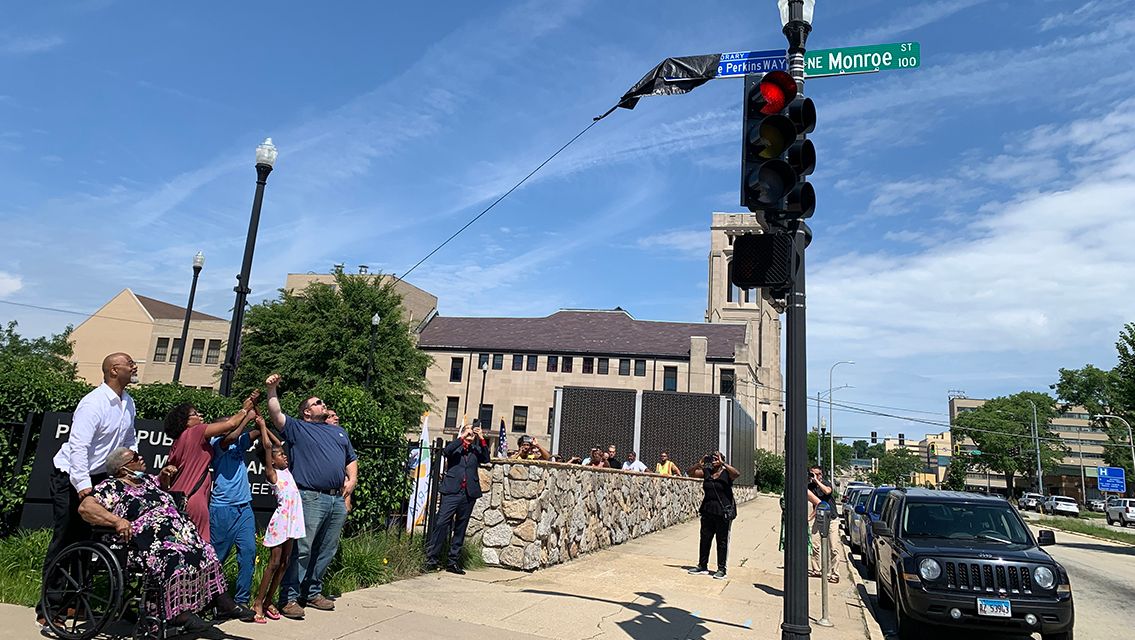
(768, 471)
(21, 566)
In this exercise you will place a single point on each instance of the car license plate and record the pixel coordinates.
(994, 608)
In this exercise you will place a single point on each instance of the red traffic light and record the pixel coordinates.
(773, 93)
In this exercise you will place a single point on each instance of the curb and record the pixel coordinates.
(870, 614)
(1040, 525)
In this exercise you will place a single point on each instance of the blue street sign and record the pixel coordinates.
(1111, 479)
(739, 63)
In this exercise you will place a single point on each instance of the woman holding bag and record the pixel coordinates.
(718, 509)
(187, 470)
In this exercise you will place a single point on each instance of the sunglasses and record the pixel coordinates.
(137, 457)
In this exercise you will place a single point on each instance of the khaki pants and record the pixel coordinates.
(833, 542)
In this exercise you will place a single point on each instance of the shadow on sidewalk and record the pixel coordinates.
(655, 619)
(771, 590)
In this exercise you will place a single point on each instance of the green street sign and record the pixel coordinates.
(822, 63)
(975, 452)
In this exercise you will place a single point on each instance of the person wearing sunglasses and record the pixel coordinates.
(325, 469)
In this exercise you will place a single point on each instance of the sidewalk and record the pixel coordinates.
(638, 590)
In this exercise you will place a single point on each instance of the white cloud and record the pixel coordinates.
(679, 243)
(9, 283)
(912, 17)
(25, 45)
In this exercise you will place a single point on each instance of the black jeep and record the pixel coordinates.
(967, 561)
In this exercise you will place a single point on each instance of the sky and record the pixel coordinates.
(973, 230)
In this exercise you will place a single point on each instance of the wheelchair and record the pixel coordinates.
(93, 583)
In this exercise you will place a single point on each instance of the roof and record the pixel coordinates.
(931, 495)
(165, 311)
(577, 331)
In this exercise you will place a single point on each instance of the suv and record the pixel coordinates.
(870, 512)
(1121, 511)
(1030, 501)
(967, 561)
(1060, 505)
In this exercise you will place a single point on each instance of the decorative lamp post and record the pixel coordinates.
(374, 320)
(265, 160)
(198, 264)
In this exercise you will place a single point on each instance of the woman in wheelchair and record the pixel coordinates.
(164, 543)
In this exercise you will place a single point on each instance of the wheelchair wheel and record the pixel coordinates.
(83, 591)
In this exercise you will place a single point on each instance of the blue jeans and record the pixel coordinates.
(323, 518)
(234, 524)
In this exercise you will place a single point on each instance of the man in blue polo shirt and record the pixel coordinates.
(325, 469)
(230, 505)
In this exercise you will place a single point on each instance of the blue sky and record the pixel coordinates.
(974, 224)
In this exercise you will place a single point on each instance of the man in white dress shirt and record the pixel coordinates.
(103, 421)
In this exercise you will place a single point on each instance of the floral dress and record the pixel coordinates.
(165, 544)
(287, 522)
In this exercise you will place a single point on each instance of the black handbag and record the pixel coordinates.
(181, 499)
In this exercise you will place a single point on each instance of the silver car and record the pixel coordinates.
(854, 528)
(1121, 511)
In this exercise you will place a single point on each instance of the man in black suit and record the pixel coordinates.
(460, 488)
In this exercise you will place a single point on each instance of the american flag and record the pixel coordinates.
(502, 443)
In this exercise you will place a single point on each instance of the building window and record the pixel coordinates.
(589, 365)
(498, 361)
(551, 419)
(520, 419)
(728, 382)
(161, 350)
(670, 379)
(451, 403)
(553, 363)
(532, 362)
(603, 364)
(197, 352)
(213, 355)
(640, 367)
(565, 364)
(764, 421)
(517, 362)
(486, 417)
(175, 350)
(482, 360)
(455, 367)
(624, 366)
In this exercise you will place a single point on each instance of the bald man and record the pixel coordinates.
(103, 421)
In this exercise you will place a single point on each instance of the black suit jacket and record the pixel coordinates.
(461, 463)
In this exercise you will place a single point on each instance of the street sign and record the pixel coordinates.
(1111, 479)
(740, 63)
(820, 63)
(975, 452)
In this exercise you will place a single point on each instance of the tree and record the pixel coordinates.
(859, 447)
(53, 352)
(1002, 430)
(843, 452)
(322, 335)
(955, 479)
(895, 467)
(768, 471)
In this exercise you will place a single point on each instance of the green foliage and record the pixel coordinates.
(324, 335)
(154, 401)
(859, 448)
(52, 353)
(1006, 422)
(768, 471)
(1083, 526)
(843, 452)
(895, 467)
(955, 479)
(21, 566)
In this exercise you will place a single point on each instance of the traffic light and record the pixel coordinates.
(761, 260)
(776, 154)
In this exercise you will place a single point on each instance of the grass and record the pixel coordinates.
(1076, 525)
(364, 560)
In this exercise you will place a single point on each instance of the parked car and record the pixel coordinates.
(1061, 506)
(1030, 501)
(1121, 511)
(849, 499)
(964, 561)
(871, 514)
(1097, 505)
(854, 530)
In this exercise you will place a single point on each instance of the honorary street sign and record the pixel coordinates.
(739, 63)
(820, 63)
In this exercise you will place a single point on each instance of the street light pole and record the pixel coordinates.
(484, 379)
(831, 425)
(796, 18)
(374, 320)
(198, 263)
(1036, 440)
(265, 159)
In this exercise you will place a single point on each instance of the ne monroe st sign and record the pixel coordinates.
(821, 63)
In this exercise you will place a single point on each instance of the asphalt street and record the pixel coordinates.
(1103, 588)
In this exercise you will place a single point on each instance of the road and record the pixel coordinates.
(1103, 588)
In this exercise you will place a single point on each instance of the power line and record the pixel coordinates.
(75, 313)
(497, 201)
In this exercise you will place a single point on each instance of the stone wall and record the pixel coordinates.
(537, 514)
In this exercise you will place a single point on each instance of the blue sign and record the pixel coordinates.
(740, 63)
(1111, 479)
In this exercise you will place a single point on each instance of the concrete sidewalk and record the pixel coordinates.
(638, 590)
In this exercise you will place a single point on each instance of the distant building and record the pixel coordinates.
(150, 331)
(417, 304)
(516, 364)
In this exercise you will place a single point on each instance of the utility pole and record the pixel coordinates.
(1039, 470)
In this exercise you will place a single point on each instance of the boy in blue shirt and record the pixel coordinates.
(230, 507)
